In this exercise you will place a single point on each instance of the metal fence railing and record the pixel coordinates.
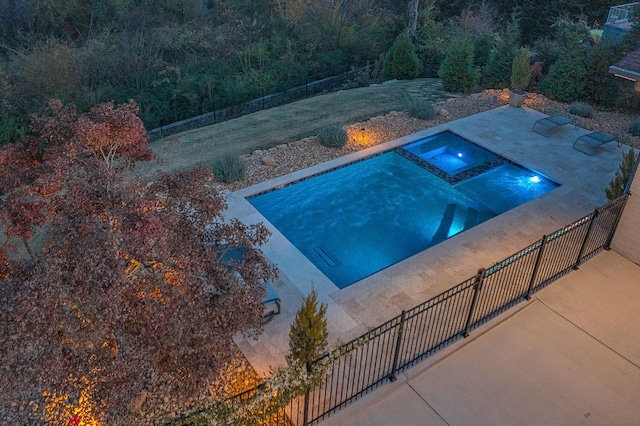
(380, 354)
(210, 113)
(621, 13)
(419, 332)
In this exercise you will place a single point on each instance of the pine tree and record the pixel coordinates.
(308, 334)
(457, 71)
(401, 61)
(497, 73)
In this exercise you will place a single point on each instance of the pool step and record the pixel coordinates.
(324, 255)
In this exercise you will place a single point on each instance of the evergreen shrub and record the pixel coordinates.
(458, 71)
(482, 45)
(333, 136)
(308, 333)
(581, 109)
(521, 70)
(228, 168)
(497, 73)
(431, 58)
(566, 79)
(619, 182)
(401, 61)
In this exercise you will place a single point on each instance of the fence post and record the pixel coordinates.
(305, 414)
(586, 238)
(534, 274)
(396, 354)
(477, 286)
(612, 231)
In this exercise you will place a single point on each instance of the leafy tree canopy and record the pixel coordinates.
(130, 290)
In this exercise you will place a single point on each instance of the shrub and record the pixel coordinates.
(600, 87)
(566, 79)
(431, 58)
(521, 70)
(401, 61)
(497, 73)
(308, 333)
(482, 45)
(619, 182)
(333, 136)
(420, 108)
(228, 168)
(634, 129)
(581, 109)
(458, 72)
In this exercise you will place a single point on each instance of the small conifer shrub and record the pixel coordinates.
(401, 61)
(619, 182)
(457, 71)
(581, 109)
(308, 334)
(228, 168)
(333, 136)
(521, 70)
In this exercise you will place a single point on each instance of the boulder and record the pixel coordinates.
(268, 161)
(135, 406)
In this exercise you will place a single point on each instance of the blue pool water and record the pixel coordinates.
(450, 152)
(357, 220)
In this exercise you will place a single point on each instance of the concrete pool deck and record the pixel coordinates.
(569, 356)
(375, 299)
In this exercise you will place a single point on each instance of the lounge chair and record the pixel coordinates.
(545, 126)
(271, 301)
(590, 142)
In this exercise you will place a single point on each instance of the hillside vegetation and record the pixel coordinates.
(179, 58)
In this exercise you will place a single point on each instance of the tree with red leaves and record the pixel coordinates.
(130, 289)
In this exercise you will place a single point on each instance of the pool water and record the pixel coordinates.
(450, 152)
(357, 220)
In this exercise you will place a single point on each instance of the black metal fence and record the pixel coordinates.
(380, 354)
(208, 113)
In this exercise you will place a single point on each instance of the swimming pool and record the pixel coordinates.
(357, 220)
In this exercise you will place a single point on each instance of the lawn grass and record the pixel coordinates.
(287, 123)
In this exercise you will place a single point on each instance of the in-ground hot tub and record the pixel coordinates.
(450, 156)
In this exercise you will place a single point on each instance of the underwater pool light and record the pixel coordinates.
(534, 179)
(459, 155)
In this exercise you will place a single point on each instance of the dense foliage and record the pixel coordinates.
(124, 289)
(401, 61)
(457, 70)
(173, 56)
(178, 58)
(497, 73)
(623, 174)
